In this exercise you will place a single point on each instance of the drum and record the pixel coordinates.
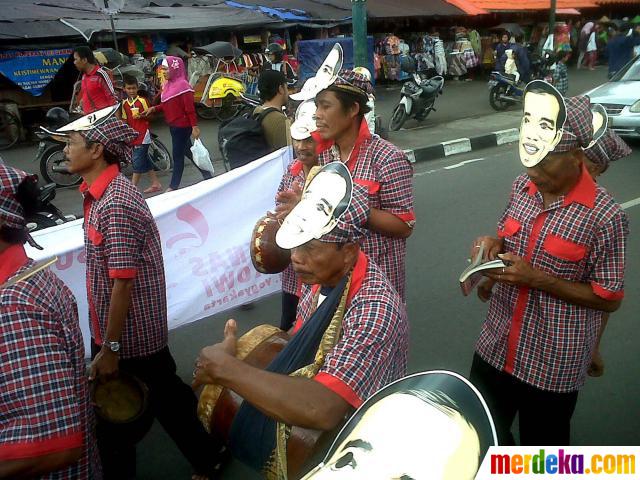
(266, 255)
(218, 406)
(122, 408)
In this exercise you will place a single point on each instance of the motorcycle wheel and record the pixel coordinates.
(204, 112)
(495, 101)
(228, 109)
(53, 157)
(398, 117)
(160, 156)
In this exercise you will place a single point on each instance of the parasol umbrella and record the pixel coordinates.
(110, 58)
(220, 50)
(512, 28)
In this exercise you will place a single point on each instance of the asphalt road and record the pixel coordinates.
(456, 200)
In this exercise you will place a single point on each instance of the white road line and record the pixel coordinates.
(630, 203)
(449, 167)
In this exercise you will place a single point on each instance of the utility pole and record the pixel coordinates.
(552, 20)
(113, 26)
(359, 21)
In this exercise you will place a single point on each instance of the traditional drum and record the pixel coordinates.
(266, 255)
(122, 408)
(218, 406)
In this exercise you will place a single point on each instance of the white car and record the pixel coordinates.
(620, 96)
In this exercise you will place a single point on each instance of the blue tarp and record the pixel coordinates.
(313, 52)
(281, 13)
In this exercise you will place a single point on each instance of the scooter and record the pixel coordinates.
(42, 212)
(52, 160)
(503, 89)
(418, 98)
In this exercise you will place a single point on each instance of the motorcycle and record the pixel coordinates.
(42, 212)
(503, 89)
(418, 97)
(52, 160)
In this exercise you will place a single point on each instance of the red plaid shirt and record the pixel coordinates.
(385, 171)
(290, 282)
(44, 397)
(536, 337)
(375, 335)
(122, 241)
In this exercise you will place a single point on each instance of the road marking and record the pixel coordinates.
(449, 167)
(630, 203)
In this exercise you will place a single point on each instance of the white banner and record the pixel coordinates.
(205, 231)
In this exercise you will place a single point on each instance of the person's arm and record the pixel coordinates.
(291, 400)
(107, 85)
(37, 466)
(395, 218)
(190, 112)
(275, 128)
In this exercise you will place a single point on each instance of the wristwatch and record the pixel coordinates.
(113, 346)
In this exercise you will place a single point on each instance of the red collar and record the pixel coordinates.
(12, 260)
(295, 168)
(359, 270)
(363, 134)
(97, 188)
(94, 70)
(583, 192)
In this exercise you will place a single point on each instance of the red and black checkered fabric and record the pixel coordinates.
(609, 148)
(122, 241)
(11, 212)
(44, 396)
(295, 173)
(537, 337)
(578, 127)
(373, 349)
(384, 170)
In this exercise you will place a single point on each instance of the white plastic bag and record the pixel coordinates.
(201, 156)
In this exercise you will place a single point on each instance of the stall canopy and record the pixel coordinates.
(530, 5)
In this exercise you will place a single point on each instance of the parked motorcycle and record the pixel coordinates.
(418, 98)
(52, 160)
(503, 89)
(41, 212)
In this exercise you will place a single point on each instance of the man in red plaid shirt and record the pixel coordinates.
(350, 338)
(381, 167)
(46, 421)
(563, 239)
(126, 291)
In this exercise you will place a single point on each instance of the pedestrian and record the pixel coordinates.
(46, 417)
(275, 54)
(343, 135)
(274, 95)
(291, 186)
(561, 74)
(591, 51)
(620, 48)
(350, 338)
(132, 110)
(96, 87)
(179, 110)
(585, 35)
(501, 51)
(126, 293)
(563, 239)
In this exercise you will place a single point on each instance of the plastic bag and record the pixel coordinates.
(201, 156)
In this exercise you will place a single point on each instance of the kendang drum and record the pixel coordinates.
(266, 255)
(122, 408)
(218, 406)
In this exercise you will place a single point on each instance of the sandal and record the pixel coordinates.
(153, 189)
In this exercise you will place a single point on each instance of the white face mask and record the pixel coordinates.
(539, 130)
(403, 437)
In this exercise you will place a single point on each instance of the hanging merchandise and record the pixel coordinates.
(147, 43)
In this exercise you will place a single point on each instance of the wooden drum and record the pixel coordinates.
(218, 406)
(266, 255)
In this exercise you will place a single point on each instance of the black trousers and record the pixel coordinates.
(544, 417)
(289, 308)
(174, 405)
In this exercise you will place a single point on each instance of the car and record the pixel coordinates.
(620, 96)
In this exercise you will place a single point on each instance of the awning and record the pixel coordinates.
(530, 5)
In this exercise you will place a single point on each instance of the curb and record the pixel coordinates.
(462, 145)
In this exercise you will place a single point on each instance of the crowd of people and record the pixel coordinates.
(346, 208)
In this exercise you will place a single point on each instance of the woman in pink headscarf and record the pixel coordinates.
(180, 113)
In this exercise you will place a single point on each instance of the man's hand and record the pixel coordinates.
(287, 200)
(105, 365)
(212, 358)
(195, 132)
(492, 247)
(518, 273)
(596, 368)
(485, 289)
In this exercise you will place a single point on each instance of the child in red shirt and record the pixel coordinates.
(132, 108)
